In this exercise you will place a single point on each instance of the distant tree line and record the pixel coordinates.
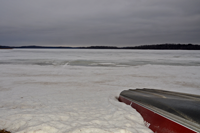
(167, 46)
(5, 47)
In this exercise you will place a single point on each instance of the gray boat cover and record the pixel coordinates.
(183, 105)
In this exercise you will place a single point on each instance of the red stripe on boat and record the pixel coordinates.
(156, 122)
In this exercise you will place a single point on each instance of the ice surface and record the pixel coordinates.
(74, 91)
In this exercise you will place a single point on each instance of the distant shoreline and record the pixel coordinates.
(145, 47)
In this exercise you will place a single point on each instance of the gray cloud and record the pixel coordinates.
(98, 22)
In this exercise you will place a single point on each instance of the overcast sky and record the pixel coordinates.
(99, 22)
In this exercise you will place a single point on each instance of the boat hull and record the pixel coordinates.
(157, 122)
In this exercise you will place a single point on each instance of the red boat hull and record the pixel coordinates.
(156, 122)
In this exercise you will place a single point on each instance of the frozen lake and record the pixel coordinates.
(75, 90)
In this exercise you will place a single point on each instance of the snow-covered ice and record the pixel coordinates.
(75, 91)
